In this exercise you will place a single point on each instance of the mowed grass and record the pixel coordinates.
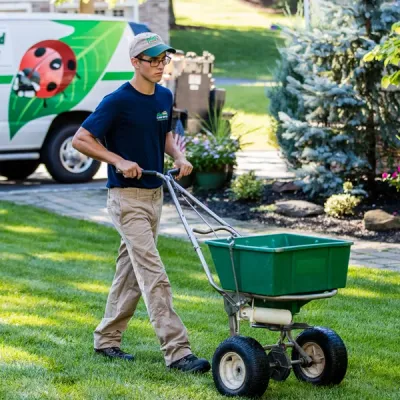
(54, 278)
(250, 106)
(238, 34)
(249, 53)
(244, 45)
(231, 13)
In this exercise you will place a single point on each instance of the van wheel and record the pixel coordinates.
(18, 169)
(64, 163)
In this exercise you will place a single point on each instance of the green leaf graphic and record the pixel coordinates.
(93, 43)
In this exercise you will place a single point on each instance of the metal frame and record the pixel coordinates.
(234, 300)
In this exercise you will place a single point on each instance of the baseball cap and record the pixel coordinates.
(148, 43)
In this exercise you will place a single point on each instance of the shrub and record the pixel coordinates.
(339, 205)
(247, 187)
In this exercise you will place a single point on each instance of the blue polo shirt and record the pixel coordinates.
(133, 125)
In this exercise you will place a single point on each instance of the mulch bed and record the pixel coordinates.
(351, 226)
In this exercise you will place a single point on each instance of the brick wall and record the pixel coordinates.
(155, 14)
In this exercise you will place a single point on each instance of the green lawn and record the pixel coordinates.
(249, 53)
(250, 105)
(237, 34)
(230, 13)
(54, 277)
(244, 46)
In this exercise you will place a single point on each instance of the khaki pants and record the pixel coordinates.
(139, 271)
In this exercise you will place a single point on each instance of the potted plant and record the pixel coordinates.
(213, 151)
(212, 156)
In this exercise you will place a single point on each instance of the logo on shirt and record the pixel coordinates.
(162, 116)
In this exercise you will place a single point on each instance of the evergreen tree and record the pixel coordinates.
(331, 108)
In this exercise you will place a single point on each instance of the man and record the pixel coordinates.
(134, 122)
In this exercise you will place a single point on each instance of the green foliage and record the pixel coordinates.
(340, 205)
(247, 187)
(215, 147)
(389, 52)
(209, 153)
(329, 104)
(343, 204)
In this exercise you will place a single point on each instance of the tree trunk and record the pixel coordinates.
(371, 131)
(371, 152)
(86, 7)
(172, 19)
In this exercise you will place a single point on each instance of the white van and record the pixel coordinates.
(54, 70)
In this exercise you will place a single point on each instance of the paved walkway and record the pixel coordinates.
(90, 204)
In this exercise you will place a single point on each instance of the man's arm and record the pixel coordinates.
(179, 158)
(87, 144)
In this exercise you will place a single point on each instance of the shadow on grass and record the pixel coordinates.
(250, 54)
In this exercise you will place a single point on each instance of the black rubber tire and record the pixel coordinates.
(51, 158)
(18, 169)
(334, 352)
(255, 363)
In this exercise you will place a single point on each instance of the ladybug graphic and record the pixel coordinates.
(46, 70)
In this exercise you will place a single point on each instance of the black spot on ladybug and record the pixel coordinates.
(51, 86)
(71, 65)
(40, 51)
(56, 64)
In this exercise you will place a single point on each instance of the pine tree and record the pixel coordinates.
(331, 108)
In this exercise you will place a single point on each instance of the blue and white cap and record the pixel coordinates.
(150, 44)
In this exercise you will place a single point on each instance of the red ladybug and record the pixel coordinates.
(46, 69)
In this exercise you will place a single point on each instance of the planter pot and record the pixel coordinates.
(186, 181)
(210, 180)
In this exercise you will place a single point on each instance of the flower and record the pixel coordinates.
(209, 153)
(393, 179)
(347, 187)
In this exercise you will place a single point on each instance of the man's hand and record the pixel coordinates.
(184, 165)
(129, 169)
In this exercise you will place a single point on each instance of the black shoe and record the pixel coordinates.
(115, 352)
(191, 363)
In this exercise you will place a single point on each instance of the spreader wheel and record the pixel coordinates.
(328, 353)
(240, 367)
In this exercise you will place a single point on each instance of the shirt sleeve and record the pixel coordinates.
(100, 121)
